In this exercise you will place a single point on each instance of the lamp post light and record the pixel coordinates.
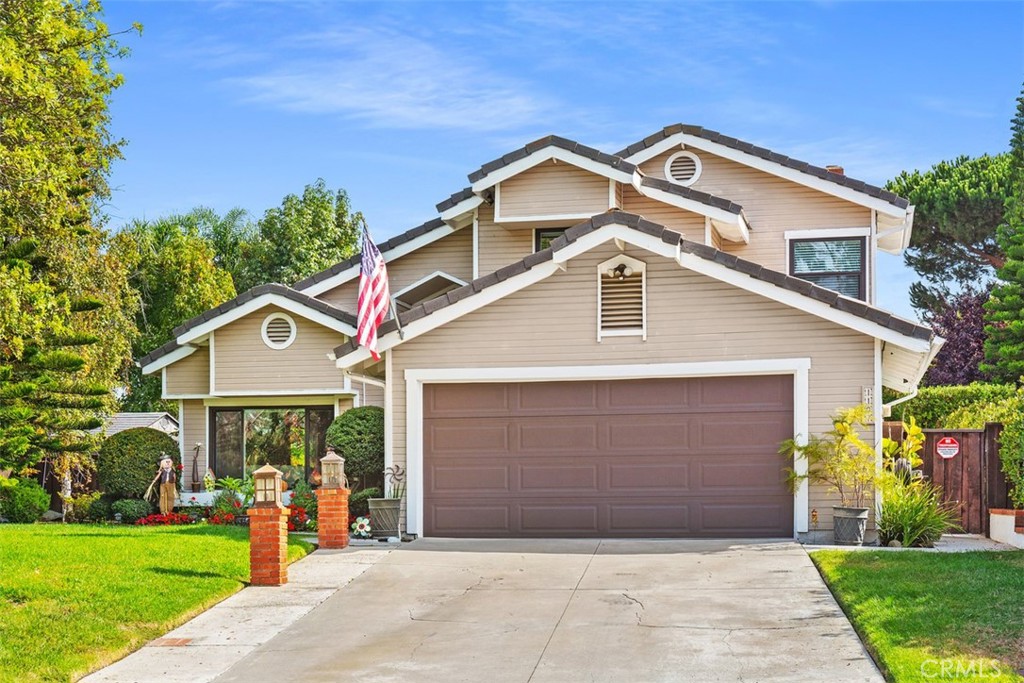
(332, 471)
(267, 485)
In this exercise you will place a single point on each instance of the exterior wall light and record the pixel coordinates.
(267, 481)
(332, 471)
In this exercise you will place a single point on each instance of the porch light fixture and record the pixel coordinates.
(267, 484)
(332, 471)
(620, 272)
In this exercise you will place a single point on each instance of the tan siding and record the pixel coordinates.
(369, 395)
(500, 246)
(553, 189)
(690, 318)
(192, 426)
(716, 240)
(452, 254)
(771, 204)
(190, 375)
(242, 362)
(690, 225)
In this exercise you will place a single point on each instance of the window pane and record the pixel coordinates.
(827, 256)
(227, 461)
(846, 284)
(276, 436)
(546, 237)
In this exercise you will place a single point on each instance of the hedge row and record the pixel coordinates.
(932, 404)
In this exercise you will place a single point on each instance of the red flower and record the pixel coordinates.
(291, 526)
(238, 503)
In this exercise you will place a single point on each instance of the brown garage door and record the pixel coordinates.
(636, 458)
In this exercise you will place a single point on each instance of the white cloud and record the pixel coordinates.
(389, 79)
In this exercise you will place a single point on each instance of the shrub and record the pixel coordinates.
(128, 461)
(24, 501)
(227, 502)
(131, 509)
(933, 404)
(358, 436)
(976, 415)
(99, 510)
(77, 509)
(914, 514)
(359, 502)
(303, 497)
(299, 520)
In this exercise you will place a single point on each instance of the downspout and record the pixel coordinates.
(887, 407)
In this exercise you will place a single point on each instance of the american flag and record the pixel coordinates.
(374, 297)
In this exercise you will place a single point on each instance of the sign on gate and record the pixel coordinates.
(947, 447)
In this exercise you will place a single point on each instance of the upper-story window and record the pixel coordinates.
(543, 237)
(837, 263)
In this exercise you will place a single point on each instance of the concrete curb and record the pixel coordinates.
(205, 647)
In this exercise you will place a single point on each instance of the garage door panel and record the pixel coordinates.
(663, 458)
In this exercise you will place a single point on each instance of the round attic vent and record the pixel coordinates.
(278, 331)
(683, 168)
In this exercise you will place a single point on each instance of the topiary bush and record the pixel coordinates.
(359, 502)
(23, 501)
(358, 436)
(933, 404)
(99, 509)
(128, 461)
(131, 509)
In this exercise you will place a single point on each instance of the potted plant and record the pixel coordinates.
(845, 462)
(386, 512)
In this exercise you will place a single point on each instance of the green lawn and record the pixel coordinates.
(934, 616)
(74, 598)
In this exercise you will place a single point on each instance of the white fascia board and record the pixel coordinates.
(449, 313)
(390, 255)
(731, 222)
(462, 207)
(172, 357)
(425, 278)
(826, 186)
(343, 391)
(256, 304)
(542, 155)
(737, 231)
(270, 400)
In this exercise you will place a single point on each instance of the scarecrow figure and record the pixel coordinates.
(167, 479)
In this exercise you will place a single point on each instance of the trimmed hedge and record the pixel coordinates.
(358, 436)
(128, 461)
(131, 510)
(23, 501)
(931, 406)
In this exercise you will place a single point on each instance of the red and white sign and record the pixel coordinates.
(947, 447)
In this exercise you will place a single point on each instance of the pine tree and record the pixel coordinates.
(1004, 345)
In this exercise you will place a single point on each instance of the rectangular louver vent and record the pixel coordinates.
(622, 302)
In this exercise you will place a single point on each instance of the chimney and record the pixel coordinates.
(832, 168)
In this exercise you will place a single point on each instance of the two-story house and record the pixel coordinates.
(591, 344)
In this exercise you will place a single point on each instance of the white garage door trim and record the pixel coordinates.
(416, 378)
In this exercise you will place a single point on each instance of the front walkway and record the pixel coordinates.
(581, 610)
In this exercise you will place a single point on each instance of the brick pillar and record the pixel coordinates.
(268, 546)
(332, 517)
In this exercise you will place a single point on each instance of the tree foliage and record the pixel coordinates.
(1004, 345)
(961, 322)
(358, 436)
(61, 289)
(959, 206)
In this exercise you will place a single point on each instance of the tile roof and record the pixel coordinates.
(119, 422)
(460, 196)
(258, 291)
(611, 160)
(690, 193)
(407, 236)
(708, 253)
(767, 155)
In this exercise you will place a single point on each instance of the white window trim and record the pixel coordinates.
(698, 168)
(638, 266)
(415, 379)
(278, 315)
(826, 233)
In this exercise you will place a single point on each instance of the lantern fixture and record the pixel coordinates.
(332, 471)
(267, 485)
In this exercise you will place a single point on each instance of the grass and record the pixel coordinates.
(934, 616)
(75, 598)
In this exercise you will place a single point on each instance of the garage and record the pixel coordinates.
(647, 458)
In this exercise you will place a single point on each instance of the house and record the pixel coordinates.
(591, 344)
(160, 421)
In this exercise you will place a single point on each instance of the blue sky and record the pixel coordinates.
(239, 103)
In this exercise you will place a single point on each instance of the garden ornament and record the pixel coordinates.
(168, 484)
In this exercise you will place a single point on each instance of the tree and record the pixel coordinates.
(1004, 347)
(961, 322)
(176, 277)
(959, 206)
(64, 288)
(303, 236)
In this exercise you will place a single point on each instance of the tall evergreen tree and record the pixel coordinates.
(1004, 346)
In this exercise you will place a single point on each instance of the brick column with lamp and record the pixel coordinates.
(332, 502)
(268, 530)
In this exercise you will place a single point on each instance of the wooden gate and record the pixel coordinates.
(973, 478)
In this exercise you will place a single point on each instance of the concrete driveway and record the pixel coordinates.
(578, 610)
